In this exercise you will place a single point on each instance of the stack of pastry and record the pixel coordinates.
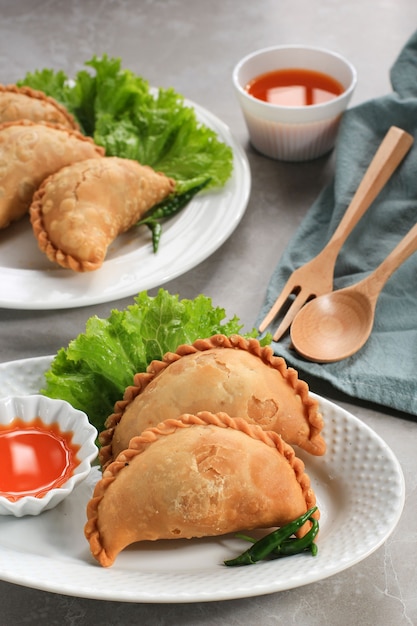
(202, 445)
(78, 199)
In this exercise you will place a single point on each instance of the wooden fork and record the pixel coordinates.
(316, 276)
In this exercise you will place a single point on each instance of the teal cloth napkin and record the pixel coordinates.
(384, 371)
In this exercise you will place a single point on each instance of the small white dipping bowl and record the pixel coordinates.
(293, 133)
(69, 420)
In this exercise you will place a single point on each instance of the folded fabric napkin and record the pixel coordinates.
(385, 369)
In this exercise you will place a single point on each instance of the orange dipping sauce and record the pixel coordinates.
(294, 87)
(34, 458)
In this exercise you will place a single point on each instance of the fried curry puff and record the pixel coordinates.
(198, 476)
(230, 374)
(78, 212)
(17, 103)
(31, 151)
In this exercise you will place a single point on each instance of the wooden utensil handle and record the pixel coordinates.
(374, 283)
(390, 153)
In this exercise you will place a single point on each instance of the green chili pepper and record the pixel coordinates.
(278, 542)
(295, 546)
(167, 208)
(156, 230)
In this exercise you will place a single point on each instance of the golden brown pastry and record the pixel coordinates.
(201, 475)
(30, 151)
(230, 374)
(17, 103)
(80, 210)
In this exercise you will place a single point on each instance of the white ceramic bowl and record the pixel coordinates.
(69, 420)
(293, 133)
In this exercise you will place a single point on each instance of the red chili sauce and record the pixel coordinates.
(294, 87)
(34, 458)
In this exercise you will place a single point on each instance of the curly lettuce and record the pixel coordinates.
(96, 367)
(129, 119)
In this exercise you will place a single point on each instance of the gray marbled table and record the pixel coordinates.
(193, 47)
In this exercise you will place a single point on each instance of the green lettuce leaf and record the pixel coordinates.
(96, 367)
(52, 83)
(130, 120)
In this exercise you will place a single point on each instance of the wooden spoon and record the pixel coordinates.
(336, 325)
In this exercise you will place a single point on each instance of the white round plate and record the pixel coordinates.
(29, 281)
(353, 482)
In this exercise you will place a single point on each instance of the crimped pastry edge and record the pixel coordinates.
(251, 345)
(140, 443)
(54, 254)
(45, 245)
(40, 95)
(70, 132)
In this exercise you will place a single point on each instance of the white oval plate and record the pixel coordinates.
(29, 281)
(353, 482)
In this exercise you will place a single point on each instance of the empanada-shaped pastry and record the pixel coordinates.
(230, 374)
(201, 475)
(17, 103)
(80, 210)
(29, 152)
